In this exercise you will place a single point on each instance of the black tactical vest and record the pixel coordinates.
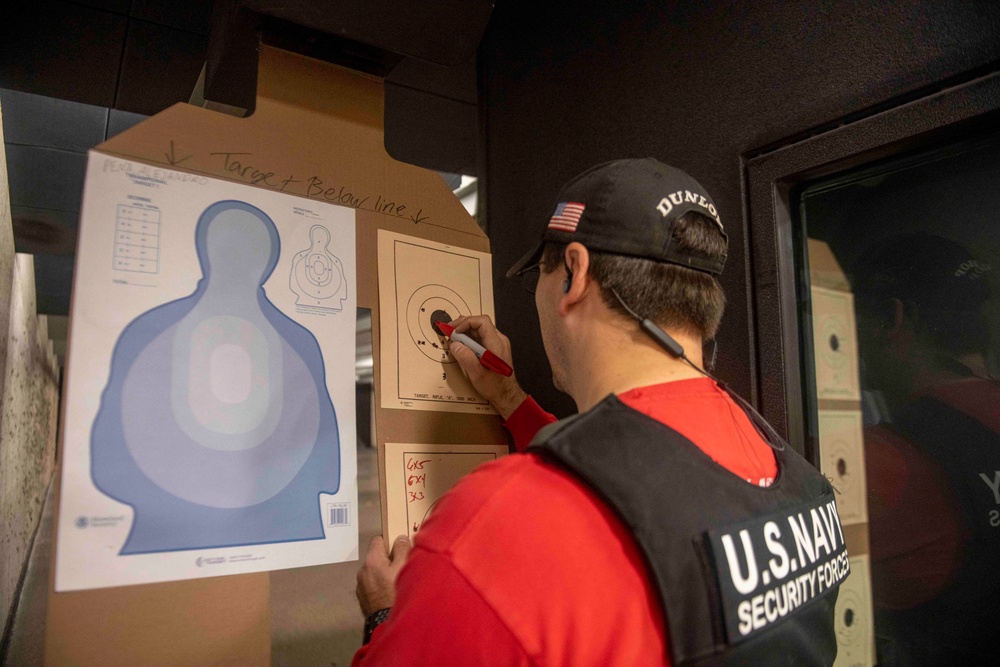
(745, 575)
(959, 625)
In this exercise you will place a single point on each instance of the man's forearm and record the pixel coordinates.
(525, 420)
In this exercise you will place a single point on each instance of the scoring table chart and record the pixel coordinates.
(137, 240)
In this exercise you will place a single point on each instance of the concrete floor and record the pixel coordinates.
(315, 621)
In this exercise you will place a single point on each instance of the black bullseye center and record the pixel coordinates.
(440, 316)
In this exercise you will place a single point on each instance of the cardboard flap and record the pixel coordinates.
(824, 269)
(317, 133)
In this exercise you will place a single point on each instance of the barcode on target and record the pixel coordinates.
(340, 514)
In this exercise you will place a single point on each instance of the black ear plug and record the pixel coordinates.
(569, 279)
(664, 339)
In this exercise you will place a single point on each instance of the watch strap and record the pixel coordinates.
(372, 621)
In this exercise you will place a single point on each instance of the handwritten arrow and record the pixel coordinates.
(172, 158)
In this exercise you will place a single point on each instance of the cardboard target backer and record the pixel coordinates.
(316, 134)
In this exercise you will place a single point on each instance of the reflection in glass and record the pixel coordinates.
(916, 240)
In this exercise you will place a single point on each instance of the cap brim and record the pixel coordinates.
(533, 256)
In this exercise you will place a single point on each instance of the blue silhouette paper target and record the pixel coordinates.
(223, 437)
(219, 401)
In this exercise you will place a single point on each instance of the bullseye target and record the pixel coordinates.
(833, 334)
(850, 617)
(426, 306)
(421, 284)
(840, 460)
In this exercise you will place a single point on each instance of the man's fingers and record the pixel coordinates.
(377, 553)
(401, 549)
(481, 328)
(476, 323)
(465, 357)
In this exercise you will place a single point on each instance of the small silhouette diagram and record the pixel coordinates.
(216, 425)
(317, 277)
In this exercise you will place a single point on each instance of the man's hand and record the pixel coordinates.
(377, 577)
(503, 393)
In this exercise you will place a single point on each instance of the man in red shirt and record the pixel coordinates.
(657, 526)
(932, 451)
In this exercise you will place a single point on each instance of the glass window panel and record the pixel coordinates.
(900, 293)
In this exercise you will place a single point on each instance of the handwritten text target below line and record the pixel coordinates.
(313, 187)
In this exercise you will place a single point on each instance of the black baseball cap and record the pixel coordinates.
(629, 207)
(936, 273)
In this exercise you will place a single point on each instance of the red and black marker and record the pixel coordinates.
(486, 358)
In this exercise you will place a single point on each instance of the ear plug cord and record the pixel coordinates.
(674, 349)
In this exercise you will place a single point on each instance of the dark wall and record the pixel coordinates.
(702, 86)
(134, 55)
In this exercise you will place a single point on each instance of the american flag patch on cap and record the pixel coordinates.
(566, 217)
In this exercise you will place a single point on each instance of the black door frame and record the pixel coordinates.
(771, 181)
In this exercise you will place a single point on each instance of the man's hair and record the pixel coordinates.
(942, 286)
(673, 296)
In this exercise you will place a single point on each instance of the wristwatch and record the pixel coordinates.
(373, 621)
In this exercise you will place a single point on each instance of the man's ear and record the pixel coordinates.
(901, 331)
(577, 258)
(577, 266)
